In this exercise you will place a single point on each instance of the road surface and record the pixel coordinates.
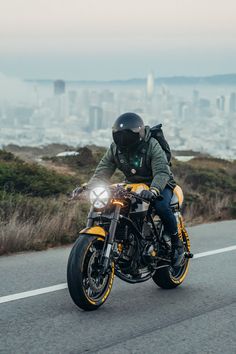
(197, 317)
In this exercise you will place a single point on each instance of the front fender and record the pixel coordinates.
(94, 230)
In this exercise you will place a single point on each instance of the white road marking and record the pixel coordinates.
(62, 286)
(30, 293)
(211, 253)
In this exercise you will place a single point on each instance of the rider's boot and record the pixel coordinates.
(177, 251)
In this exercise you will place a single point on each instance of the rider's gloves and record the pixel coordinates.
(150, 194)
(76, 192)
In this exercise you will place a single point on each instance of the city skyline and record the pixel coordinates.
(199, 117)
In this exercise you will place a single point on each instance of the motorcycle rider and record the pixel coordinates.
(142, 160)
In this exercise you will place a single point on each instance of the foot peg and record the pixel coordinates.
(189, 255)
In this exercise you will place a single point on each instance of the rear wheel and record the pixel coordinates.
(170, 277)
(88, 289)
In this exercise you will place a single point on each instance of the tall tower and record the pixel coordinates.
(95, 118)
(150, 85)
(232, 103)
(59, 87)
(59, 100)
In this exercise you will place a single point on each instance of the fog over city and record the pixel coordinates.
(65, 70)
(198, 117)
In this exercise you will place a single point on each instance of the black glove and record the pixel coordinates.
(149, 195)
(77, 191)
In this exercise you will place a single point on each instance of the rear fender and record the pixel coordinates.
(95, 231)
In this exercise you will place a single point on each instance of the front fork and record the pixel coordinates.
(107, 248)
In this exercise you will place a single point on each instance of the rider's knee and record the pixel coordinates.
(161, 208)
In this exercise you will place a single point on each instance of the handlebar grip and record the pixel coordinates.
(159, 197)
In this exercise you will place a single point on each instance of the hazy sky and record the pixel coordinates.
(107, 39)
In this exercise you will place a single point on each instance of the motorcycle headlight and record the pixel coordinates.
(99, 197)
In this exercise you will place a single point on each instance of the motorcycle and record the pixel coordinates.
(123, 237)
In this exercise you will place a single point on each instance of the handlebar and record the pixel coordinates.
(119, 189)
(136, 195)
(126, 192)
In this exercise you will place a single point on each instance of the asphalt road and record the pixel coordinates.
(197, 317)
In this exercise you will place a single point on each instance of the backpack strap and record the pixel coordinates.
(126, 166)
(157, 133)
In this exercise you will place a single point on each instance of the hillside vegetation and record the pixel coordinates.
(34, 208)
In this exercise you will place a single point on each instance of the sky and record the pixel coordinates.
(116, 39)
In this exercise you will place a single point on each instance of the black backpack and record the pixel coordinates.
(157, 133)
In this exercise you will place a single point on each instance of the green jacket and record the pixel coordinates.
(147, 164)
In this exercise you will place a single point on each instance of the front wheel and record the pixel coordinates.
(170, 277)
(88, 288)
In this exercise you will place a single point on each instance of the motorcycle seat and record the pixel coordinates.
(178, 197)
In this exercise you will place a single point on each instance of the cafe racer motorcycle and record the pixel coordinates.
(123, 237)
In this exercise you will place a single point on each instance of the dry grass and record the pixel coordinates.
(57, 222)
(34, 223)
(202, 211)
(61, 169)
(200, 207)
(49, 229)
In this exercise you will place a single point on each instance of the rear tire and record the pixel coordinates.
(80, 274)
(171, 277)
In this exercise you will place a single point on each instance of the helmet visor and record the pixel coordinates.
(126, 138)
(130, 129)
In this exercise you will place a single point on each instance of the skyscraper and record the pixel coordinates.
(72, 102)
(59, 100)
(232, 103)
(150, 85)
(220, 103)
(195, 97)
(95, 118)
(59, 87)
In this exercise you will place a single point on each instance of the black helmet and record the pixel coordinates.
(128, 130)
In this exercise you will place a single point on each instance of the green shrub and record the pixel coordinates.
(210, 181)
(7, 156)
(32, 179)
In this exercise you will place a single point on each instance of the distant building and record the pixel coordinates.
(107, 96)
(220, 103)
(232, 103)
(59, 101)
(60, 108)
(204, 103)
(94, 98)
(184, 110)
(59, 87)
(95, 118)
(195, 97)
(19, 115)
(150, 85)
(204, 106)
(72, 102)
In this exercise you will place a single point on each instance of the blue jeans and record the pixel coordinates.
(164, 211)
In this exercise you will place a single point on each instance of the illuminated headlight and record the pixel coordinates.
(99, 197)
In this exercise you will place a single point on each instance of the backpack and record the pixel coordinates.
(157, 133)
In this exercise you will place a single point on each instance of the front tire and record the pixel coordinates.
(88, 290)
(170, 277)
